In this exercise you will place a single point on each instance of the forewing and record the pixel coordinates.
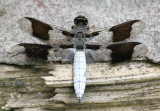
(116, 33)
(40, 29)
(92, 34)
(35, 27)
(126, 30)
(122, 51)
(37, 51)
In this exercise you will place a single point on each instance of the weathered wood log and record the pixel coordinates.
(128, 86)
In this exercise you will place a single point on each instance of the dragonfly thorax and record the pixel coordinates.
(80, 30)
(79, 40)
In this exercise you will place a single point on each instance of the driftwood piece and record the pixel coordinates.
(128, 86)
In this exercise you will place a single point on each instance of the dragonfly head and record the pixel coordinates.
(80, 20)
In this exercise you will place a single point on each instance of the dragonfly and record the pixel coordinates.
(77, 38)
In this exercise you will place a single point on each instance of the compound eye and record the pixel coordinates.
(80, 19)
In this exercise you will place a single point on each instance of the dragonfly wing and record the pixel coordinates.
(122, 51)
(126, 30)
(93, 46)
(37, 51)
(122, 31)
(47, 52)
(40, 29)
(35, 27)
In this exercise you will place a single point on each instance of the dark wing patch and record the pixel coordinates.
(122, 31)
(67, 33)
(93, 34)
(66, 46)
(40, 29)
(38, 51)
(122, 51)
(92, 46)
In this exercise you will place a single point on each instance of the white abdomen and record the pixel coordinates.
(79, 72)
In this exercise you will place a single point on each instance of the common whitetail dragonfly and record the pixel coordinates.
(77, 39)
